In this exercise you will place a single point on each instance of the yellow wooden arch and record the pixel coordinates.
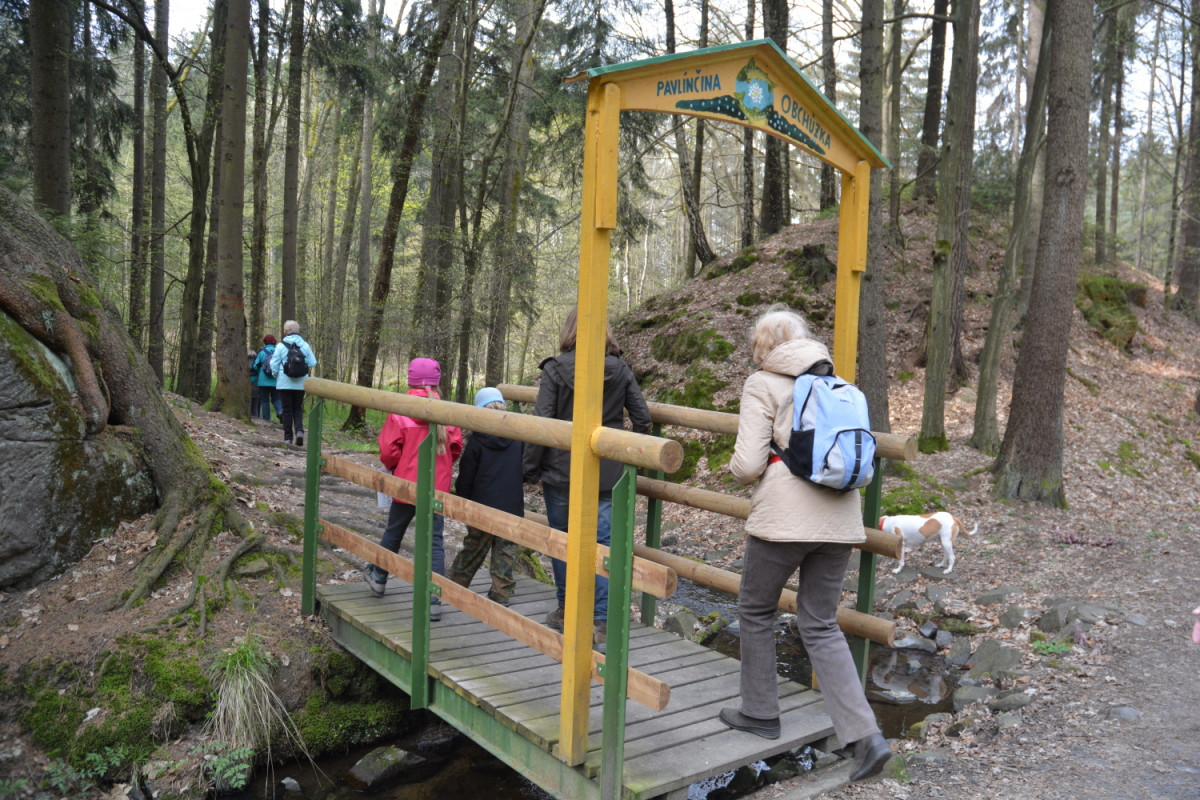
(752, 84)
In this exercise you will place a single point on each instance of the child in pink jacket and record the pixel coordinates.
(398, 445)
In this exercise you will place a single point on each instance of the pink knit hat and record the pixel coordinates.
(424, 372)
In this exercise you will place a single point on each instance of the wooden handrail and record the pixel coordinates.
(884, 544)
(641, 450)
(853, 622)
(888, 445)
(648, 576)
(650, 692)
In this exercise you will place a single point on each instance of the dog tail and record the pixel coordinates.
(972, 531)
(962, 527)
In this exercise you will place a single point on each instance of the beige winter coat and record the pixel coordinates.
(784, 507)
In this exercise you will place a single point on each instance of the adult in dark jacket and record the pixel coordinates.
(489, 473)
(551, 466)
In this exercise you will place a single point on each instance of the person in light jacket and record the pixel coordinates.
(291, 390)
(794, 525)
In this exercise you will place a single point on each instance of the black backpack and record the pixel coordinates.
(265, 366)
(294, 366)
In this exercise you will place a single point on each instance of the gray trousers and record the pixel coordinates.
(822, 567)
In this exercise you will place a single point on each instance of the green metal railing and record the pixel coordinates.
(425, 692)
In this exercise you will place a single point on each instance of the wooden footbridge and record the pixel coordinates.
(546, 703)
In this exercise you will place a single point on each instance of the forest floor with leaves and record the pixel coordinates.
(1130, 541)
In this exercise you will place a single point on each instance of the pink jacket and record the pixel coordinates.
(400, 438)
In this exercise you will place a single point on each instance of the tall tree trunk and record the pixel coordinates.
(367, 181)
(775, 27)
(748, 225)
(1029, 466)
(1108, 59)
(955, 152)
(959, 373)
(137, 223)
(232, 395)
(986, 434)
(335, 306)
(872, 320)
(1123, 33)
(1187, 297)
(697, 241)
(190, 331)
(1147, 145)
(1173, 265)
(895, 90)
(89, 192)
(291, 162)
(401, 172)
(1036, 16)
(50, 31)
(927, 160)
(258, 171)
(699, 248)
(432, 314)
(208, 298)
(514, 260)
(158, 193)
(829, 175)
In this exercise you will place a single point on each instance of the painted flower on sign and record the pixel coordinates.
(754, 90)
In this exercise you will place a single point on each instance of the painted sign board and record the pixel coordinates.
(753, 84)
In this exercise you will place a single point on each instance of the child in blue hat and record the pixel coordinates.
(490, 473)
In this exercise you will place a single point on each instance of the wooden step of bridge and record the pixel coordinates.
(505, 695)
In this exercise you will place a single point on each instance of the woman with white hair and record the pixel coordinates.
(794, 525)
(290, 388)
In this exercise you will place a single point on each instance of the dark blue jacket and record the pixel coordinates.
(490, 473)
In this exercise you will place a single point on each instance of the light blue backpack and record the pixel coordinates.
(831, 443)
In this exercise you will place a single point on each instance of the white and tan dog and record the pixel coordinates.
(915, 530)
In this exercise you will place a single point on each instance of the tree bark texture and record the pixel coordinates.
(829, 175)
(158, 192)
(1108, 60)
(232, 395)
(136, 321)
(1029, 466)
(1187, 297)
(872, 320)
(985, 436)
(50, 34)
(927, 160)
(748, 224)
(774, 214)
(291, 163)
(939, 327)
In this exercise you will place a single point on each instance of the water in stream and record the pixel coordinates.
(903, 686)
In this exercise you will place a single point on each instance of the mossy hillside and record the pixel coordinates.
(1105, 302)
(741, 261)
(353, 705)
(718, 449)
(697, 391)
(690, 345)
(142, 680)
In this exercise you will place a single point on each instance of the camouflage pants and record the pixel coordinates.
(475, 548)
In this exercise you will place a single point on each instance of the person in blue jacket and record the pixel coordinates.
(291, 388)
(267, 395)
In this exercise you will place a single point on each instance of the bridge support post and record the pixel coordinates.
(312, 510)
(653, 536)
(422, 566)
(860, 648)
(616, 656)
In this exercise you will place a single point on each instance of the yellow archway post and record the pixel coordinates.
(752, 84)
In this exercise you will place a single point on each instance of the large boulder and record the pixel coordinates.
(61, 488)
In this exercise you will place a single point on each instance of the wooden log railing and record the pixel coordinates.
(529, 531)
(888, 445)
(640, 450)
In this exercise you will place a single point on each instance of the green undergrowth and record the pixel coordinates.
(690, 345)
(718, 450)
(142, 691)
(741, 261)
(353, 705)
(696, 391)
(1105, 302)
(915, 494)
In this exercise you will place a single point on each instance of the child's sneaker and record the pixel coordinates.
(375, 582)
